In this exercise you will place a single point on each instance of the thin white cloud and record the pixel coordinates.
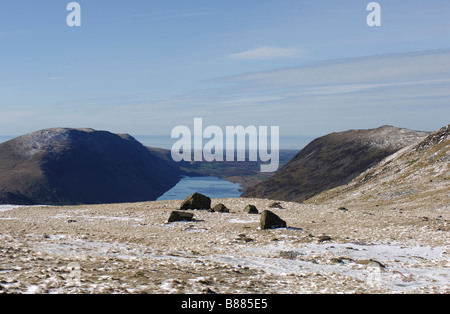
(396, 68)
(409, 90)
(265, 53)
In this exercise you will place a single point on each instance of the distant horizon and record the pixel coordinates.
(287, 142)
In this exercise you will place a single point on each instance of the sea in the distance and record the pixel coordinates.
(210, 186)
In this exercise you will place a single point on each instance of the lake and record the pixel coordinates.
(210, 186)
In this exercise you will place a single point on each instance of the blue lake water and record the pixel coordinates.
(210, 186)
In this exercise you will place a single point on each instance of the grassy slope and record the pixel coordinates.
(416, 176)
(331, 161)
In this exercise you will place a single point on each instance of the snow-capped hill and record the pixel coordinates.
(81, 166)
(418, 175)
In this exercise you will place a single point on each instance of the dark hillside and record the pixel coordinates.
(333, 160)
(81, 166)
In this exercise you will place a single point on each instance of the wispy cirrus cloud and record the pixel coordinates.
(383, 69)
(408, 90)
(266, 53)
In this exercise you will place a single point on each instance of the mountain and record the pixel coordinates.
(81, 166)
(333, 160)
(417, 176)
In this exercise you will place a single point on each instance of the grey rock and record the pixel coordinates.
(180, 216)
(220, 208)
(251, 209)
(324, 238)
(270, 220)
(196, 201)
(276, 205)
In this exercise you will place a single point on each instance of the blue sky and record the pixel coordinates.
(143, 67)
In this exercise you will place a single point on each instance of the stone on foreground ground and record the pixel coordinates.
(128, 248)
(269, 220)
(196, 201)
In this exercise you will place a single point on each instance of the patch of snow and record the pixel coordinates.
(114, 218)
(5, 208)
(241, 221)
(74, 216)
(169, 286)
(32, 290)
(405, 269)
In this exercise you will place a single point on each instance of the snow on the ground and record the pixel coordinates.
(129, 248)
(392, 266)
(5, 208)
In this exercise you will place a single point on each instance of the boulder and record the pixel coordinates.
(219, 208)
(196, 201)
(324, 238)
(276, 205)
(180, 216)
(270, 220)
(251, 209)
